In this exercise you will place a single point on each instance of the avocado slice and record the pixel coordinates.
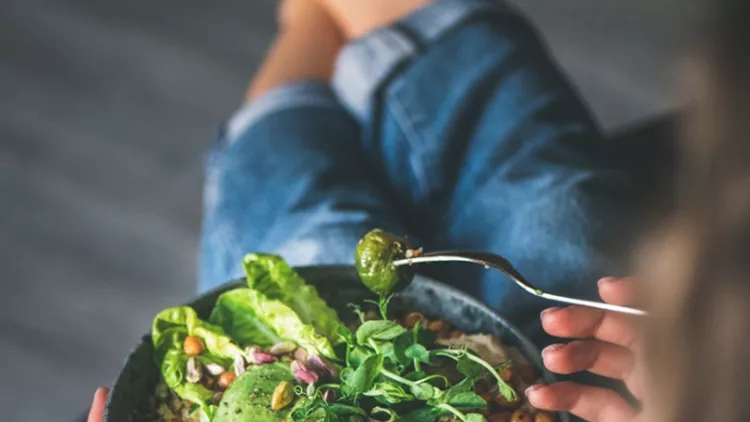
(248, 399)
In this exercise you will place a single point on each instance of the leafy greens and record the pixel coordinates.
(168, 333)
(272, 276)
(384, 362)
(173, 325)
(385, 371)
(250, 317)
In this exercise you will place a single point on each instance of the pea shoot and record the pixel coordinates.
(386, 370)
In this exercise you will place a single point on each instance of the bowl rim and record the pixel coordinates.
(525, 343)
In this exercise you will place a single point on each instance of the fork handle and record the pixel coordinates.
(592, 304)
(499, 263)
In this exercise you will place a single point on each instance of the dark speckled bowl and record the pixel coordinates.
(130, 397)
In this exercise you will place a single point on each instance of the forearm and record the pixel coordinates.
(356, 18)
(305, 48)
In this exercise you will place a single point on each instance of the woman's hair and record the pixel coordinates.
(698, 271)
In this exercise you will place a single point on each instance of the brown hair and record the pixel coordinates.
(698, 272)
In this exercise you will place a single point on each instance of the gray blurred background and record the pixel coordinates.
(106, 108)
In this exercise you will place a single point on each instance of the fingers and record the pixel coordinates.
(617, 291)
(582, 322)
(593, 404)
(610, 354)
(96, 414)
(598, 357)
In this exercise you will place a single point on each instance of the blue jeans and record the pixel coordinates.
(453, 127)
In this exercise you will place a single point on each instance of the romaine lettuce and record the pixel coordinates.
(168, 333)
(250, 317)
(272, 276)
(172, 325)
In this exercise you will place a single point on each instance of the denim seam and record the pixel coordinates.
(249, 117)
(356, 79)
(434, 21)
(366, 64)
(294, 95)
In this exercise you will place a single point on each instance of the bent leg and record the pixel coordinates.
(289, 175)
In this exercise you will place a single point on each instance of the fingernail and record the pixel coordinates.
(552, 348)
(550, 311)
(532, 389)
(606, 280)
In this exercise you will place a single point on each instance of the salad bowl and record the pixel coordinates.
(131, 396)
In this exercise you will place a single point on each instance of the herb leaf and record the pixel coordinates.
(389, 393)
(345, 334)
(398, 352)
(317, 415)
(363, 378)
(425, 414)
(467, 400)
(416, 375)
(423, 391)
(346, 410)
(465, 386)
(378, 330)
(418, 352)
(468, 367)
(356, 355)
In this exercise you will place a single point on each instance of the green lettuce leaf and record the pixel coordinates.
(236, 312)
(172, 325)
(196, 393)
(271, 275)
(169, 330)
(172, 367)
(250, 317)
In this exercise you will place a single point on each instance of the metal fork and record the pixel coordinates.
(497, 262)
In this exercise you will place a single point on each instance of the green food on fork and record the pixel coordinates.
(376, 252)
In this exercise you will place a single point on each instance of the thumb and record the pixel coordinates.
(96, 414)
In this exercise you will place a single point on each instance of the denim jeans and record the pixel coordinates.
(453, 127)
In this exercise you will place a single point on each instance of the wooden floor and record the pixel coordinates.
(106, 108)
